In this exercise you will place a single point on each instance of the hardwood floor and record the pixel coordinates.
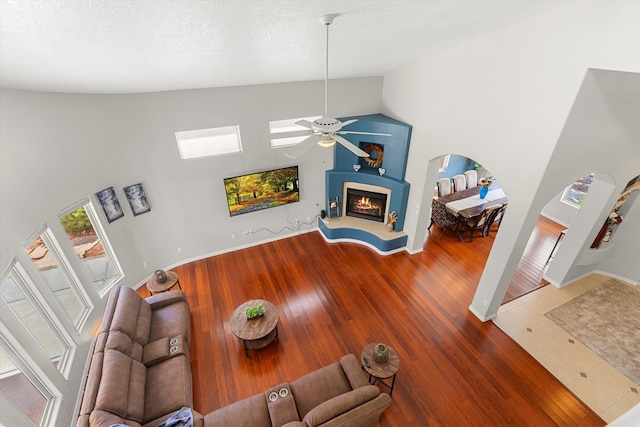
(333, 299)
(528, 275)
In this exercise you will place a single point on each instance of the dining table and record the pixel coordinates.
(468, 204)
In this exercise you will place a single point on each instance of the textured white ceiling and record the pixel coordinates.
(128, 46)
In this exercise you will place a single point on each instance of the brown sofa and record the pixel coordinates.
(335, 395)
(140, 371)
(140, 375)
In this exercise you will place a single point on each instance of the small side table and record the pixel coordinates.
(258, 332)
(154, 286)
(380, 371)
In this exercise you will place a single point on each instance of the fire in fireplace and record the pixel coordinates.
(366, 204)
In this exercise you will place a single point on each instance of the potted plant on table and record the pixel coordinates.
(253, 311)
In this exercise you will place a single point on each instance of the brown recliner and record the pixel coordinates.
(140, 371)
(335, 395)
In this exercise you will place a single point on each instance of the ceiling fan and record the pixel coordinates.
(326, 130)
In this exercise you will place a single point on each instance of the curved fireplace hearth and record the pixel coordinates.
(364, 211)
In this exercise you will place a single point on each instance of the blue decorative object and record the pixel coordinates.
(483, 191)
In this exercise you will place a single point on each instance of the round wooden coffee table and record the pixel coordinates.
(380, 371)
(257, 332)
(154, 286)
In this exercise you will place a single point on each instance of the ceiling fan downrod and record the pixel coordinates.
(327, 20)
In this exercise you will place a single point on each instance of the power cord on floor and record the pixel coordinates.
(293, 226)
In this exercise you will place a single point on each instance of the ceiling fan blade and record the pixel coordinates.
(348, 122)
(353, 132)
(301, 148)
(358, 152)
(305, 123)
(292, 133)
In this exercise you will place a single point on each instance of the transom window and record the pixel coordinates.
(194, 144)
(279, 128)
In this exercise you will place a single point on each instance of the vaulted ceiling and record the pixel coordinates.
(127, 46)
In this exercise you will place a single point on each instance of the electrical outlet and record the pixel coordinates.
(179, 249)
(233, 236)
(308, 219)
(485, 303)
(246, 233)
(145, 264)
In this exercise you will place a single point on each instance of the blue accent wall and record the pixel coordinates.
(457, 165)
(396, 146)
(399, 190)
(396, 151)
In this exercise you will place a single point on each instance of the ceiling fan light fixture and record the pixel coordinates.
(326, 141)
(326, 130)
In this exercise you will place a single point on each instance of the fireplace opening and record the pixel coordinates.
(366, 204)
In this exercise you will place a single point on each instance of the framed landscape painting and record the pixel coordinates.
(262, 190)
(110, 204)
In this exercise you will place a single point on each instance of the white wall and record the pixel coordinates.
(56, 149)
(59, 148)
(558, 211)
(503, 101)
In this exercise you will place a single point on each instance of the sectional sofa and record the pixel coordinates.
(140, 375)
(140, 372)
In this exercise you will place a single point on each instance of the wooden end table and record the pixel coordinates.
(258, 332)
(154, 286)
(380, 371)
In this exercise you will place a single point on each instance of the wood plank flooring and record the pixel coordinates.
(333, 299)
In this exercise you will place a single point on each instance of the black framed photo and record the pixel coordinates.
(110, 204)
(137, 199)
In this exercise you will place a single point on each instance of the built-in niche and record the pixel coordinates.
(620, 209)
(376, 155)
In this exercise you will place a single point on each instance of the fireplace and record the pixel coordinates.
(366, 204)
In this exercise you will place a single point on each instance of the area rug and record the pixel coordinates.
(607, 320)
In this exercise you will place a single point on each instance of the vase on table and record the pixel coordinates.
(161, 276)
(483, 191)
(382, 353)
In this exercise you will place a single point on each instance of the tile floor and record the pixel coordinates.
(605, 390)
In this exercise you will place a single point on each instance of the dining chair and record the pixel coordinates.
(442, 217)
(459, 183)
(480, 222)
(497, 217)
(444, 187)
(472, 178)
